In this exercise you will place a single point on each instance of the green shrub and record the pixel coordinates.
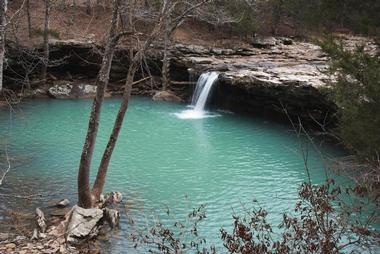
(357, 95)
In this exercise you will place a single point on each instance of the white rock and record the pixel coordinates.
(84, 223)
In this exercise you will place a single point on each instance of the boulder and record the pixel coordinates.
(83, 224)
(245, 52)
(264, 42)
(112, 216)
(10, 246)
(68, 90)
(63, 203)
(62, 90)
(286, 41)
(113, 198)
(166, 96)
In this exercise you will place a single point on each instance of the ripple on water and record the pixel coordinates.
(221, 160)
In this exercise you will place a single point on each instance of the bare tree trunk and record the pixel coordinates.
(85, 199)
(107, 154)
(88, 7)
(103, 168)
(166, 60)
(45, 61)
(3, 10)
(27, 10)
(276, 16)
(104, 163)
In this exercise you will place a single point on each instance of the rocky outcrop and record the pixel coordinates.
(269, 74)
(277, 73)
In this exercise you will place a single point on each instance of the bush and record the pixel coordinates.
(321, 224)
(357, 95)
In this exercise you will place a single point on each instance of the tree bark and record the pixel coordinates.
(103, 168)
(45, 61)
(166, 60)
(3, 10)
(107, 154)
(85, 199)
(88, 7)
(27, 10)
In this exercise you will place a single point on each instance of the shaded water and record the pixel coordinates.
(222, 162)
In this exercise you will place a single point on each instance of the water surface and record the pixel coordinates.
(160, 161)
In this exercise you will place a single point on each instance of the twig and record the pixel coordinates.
(135, 82)
(7, 169)
(6, 149)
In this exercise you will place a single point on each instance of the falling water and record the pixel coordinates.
(200, 96)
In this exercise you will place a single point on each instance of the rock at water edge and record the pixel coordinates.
(83, 223)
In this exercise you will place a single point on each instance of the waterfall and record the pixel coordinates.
(200, 96)
(202, 90)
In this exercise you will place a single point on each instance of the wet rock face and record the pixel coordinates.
(305, 102)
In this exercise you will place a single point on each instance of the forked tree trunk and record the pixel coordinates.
(102, 171)
(107, 154)
(45, 61)
(3, 10)
(85, 199)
